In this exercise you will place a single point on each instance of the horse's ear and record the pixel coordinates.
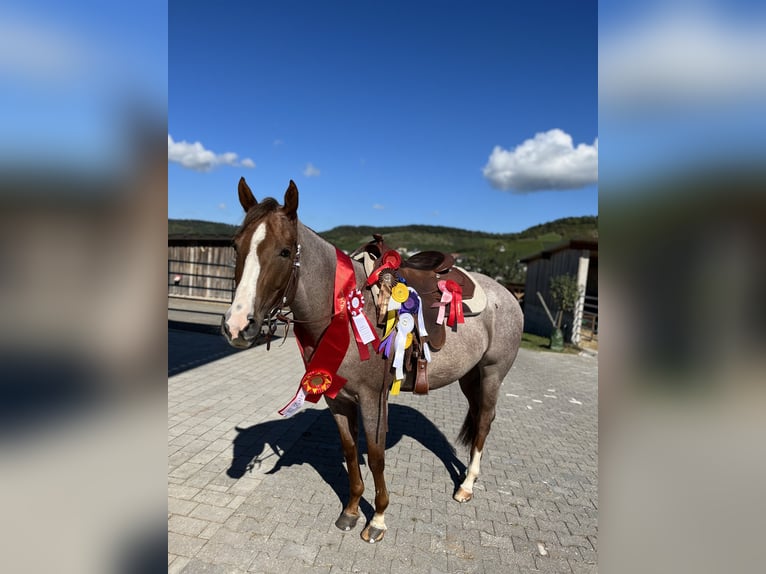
(246, 198)
(291, 200)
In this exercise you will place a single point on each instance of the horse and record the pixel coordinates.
(281, 263)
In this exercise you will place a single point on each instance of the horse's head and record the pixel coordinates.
(267, 260)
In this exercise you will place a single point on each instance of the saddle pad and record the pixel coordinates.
(478, 302)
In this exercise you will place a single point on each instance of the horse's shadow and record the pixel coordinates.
(261, 446)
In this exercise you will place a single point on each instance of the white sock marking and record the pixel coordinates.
(473, 471)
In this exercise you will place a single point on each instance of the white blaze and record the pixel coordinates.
(242, 306)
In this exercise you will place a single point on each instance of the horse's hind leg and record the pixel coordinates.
(345, 414)
(480, 386)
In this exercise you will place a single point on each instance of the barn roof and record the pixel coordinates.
(575, 244)
(178, 239)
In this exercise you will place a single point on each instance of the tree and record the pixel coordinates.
(565, 293)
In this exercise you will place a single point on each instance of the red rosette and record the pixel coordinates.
(389, 260)
(316, 381)
(392, 259)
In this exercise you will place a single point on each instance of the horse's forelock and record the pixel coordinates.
(257, 213)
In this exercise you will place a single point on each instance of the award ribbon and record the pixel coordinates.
(329, 352)
(456, 305)
(389, 260)
(418, 306)
(404, 326)
(363, 330)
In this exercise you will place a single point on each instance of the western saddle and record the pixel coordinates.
(423, 272)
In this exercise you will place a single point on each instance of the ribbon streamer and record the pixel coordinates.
(385, 345)
(405, 325)
(421, 323)
(390, 322)
(456, 305)
(295, 403)
(442, 304)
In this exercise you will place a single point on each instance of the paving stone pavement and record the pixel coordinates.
(249, 491)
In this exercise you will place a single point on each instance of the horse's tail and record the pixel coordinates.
(468, 430)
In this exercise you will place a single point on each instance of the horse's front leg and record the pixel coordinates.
(375, 430)
(345, 413)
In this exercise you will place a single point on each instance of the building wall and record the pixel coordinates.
(539, 273)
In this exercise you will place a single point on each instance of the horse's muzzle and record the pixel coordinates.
(244, 338)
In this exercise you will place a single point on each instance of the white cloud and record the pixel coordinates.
(221, 206)
(278, 142)
(33, 48)
(681, 55)
(195, 156)
(311, 170)
(546, 162)
(378, 206)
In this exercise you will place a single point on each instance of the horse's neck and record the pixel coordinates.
(312, 306)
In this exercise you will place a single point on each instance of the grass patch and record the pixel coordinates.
(538, 343)
(535, 342)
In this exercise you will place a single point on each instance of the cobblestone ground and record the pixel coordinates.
(251, 492)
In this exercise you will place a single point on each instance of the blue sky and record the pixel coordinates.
(70, 72)
(480, 116)
(682, 88)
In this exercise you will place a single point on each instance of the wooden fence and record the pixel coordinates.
(201, 268)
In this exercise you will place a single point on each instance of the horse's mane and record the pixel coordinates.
(258, 211)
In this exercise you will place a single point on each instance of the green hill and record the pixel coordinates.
(464, 242)
(496, 254)
(200, 228)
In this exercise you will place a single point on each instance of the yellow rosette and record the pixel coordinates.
(400, 293)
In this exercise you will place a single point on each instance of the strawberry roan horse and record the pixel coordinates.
(282, 262)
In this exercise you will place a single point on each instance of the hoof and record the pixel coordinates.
(372, 534)
(463, 495)
(346, 521)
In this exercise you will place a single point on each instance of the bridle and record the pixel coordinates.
(292, 282)
(279, 313)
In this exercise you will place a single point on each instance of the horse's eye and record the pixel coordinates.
(284, 253)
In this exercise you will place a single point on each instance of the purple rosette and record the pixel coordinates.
(412, 304)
